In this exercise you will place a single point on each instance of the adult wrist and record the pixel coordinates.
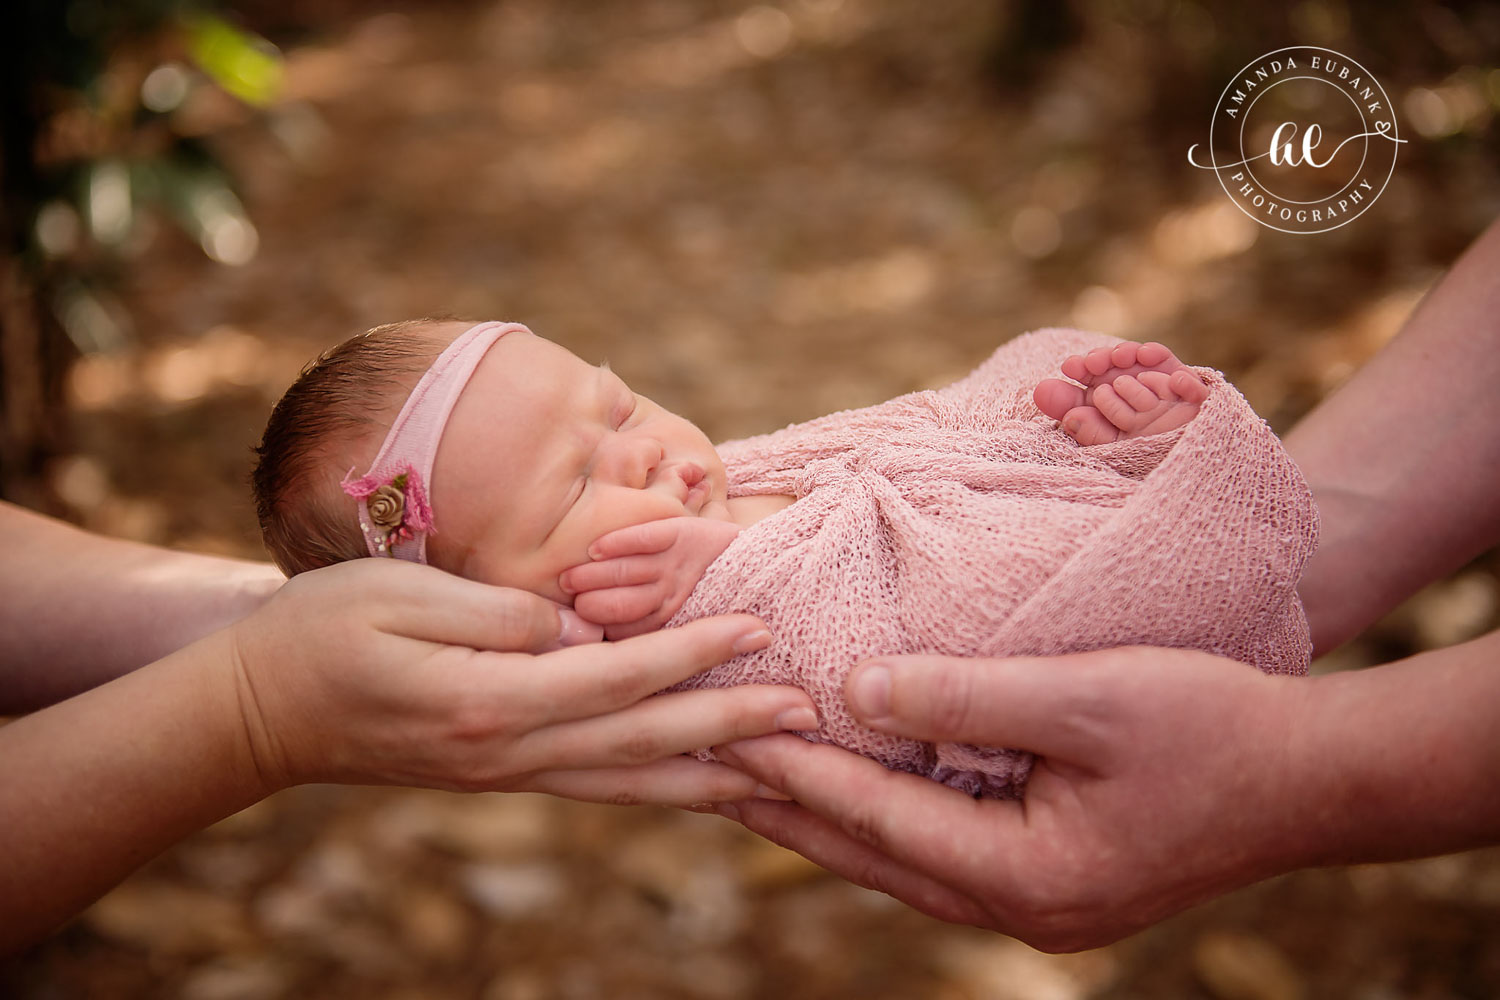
(254, 768)
(1398, 761)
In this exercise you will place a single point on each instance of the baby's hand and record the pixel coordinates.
(643, 574)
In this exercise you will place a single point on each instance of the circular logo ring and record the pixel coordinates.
(1379, 133)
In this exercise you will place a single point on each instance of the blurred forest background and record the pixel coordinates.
(758, 213)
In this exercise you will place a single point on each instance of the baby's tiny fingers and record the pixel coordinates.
(638, 539)
(618, 605)
(626, 571)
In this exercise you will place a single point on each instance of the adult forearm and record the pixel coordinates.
(1398, 761)
(78, 609)
(93, 787)
(1405, 459)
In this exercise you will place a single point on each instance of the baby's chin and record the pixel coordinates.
(715, 510)
(547, 588)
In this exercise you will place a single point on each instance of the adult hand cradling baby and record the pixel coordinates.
(412, 691)
(1109, 839)
(366, 673)
(1166, 777)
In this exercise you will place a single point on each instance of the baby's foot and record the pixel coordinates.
(1129, 390)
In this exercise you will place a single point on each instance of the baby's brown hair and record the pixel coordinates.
(352, 390)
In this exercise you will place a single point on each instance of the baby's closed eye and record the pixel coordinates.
(624, 410)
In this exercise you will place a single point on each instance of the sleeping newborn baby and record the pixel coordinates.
(1142, 502)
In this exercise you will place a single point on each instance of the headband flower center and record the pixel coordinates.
(387, 507)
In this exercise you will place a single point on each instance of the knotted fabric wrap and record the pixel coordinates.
(411, 446)
(961, 521)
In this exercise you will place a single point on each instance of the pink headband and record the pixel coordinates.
(395, 511)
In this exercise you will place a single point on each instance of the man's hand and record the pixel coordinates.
(1160, 784)
(642, 575)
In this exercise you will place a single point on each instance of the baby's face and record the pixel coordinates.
(543, 454)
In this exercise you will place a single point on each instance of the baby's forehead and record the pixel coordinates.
(524, 388)
(523, 372)
(513, 431)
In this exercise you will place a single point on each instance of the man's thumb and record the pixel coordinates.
(1021, 702)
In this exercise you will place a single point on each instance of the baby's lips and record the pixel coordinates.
(692, 477)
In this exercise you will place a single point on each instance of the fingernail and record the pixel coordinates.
(752, 641)
(767, 792)
(729, 811)
(575, 631)
(871, 692)
(797, 719)
(562, 584)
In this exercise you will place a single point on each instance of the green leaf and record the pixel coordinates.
(244, 64)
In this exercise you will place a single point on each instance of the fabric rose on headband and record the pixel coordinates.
(398, 510)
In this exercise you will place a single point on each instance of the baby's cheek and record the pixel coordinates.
(521, 573)
(610, 509)
(618, 507)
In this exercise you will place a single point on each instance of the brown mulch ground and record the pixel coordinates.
(758, 214)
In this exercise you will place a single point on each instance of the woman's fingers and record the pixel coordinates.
(673, 781)
(825, 844)
(433, 606)
(664, 726)
(585, 681)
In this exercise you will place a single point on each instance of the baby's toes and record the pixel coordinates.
(1087, 426)
(1153, 355)
(1116, 409)
(1133, 390)
(1098, 361)
(1123, 355)
(1055, 398)
(1188, 386)
(1076, 369)
(1159, 384)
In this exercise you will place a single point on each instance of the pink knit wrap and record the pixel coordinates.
(961, 521)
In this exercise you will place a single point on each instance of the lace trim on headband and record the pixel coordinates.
(398, 508)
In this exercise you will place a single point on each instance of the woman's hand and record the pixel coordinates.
(384, 672)
(1163, 782)
(374, 671)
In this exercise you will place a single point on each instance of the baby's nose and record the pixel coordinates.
(630, 459)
